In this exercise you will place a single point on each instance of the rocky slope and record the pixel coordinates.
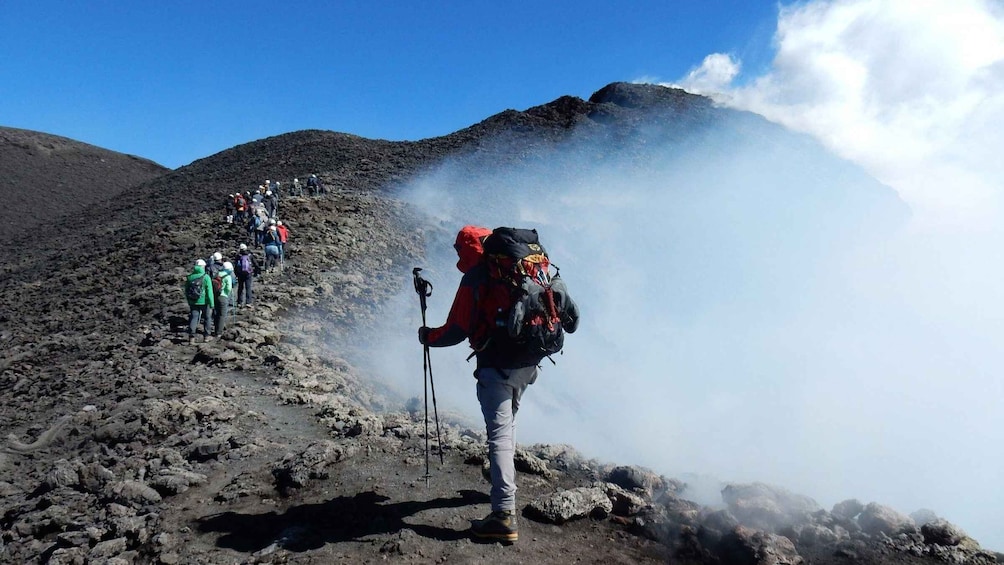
(126, 444)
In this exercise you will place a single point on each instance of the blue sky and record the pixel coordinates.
(177, 81)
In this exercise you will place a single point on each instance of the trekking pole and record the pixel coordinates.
(424, 290)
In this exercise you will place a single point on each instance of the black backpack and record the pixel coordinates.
(541, 310)
(194, 288)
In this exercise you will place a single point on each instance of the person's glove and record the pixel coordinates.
(423, 335)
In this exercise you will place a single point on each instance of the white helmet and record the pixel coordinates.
(217, 256)
(200, 263)
(244, 247)
(268, 193)
(279, 223)
(228, 266)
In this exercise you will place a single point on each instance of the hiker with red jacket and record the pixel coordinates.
(246, 268)
(504, 370)
(240, 207)
(283, 238)
(199, 293)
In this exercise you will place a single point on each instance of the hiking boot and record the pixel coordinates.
(499, 525)
(206, 338)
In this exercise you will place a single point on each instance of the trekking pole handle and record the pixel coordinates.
(422, 287)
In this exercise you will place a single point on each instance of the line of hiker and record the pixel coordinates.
(217, 288)
(240, 207)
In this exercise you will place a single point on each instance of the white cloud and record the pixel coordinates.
(909, 89)
(715, 73)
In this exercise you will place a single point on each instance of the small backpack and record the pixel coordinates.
(194, 288)
(247, 267)
(217, 285)
(541, 310)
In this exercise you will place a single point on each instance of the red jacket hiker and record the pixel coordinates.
(475, 308)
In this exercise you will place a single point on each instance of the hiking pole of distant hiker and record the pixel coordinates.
(424, 290)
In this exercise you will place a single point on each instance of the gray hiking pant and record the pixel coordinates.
(499, 391)
(197, 313)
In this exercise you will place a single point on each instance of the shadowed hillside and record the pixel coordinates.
(46, 176)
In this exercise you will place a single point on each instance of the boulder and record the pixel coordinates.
(68, 556)
(767, 508)
(745, 546)
(624, 503)
(62, 474)
(876, 519)
(526, 462)
(848, 509)
(209, 448)
(942, 532)
(132, 493)
(296, 469)
(107, 549)
(815, 535)
(175, 481)
(924, 516)
(93, 477)
(566, 505)
(634, 478)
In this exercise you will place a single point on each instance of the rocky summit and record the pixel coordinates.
(124, 443)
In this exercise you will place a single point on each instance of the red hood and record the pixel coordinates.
(469, 248)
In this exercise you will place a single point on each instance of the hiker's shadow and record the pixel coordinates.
(346, 518)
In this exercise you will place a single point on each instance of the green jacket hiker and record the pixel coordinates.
(206, 298)
(201, 305)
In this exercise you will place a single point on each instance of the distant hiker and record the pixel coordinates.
(240, 208)
(314, 185)
(482, 311)
(277, 189)
(271, 242)
(228, 208)
(223, 286)
(260, 224)
(214, 264)
(247, 268)
(271, 203)
(297, 188)
(199, 293)
(283, 238)
(252, 227)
